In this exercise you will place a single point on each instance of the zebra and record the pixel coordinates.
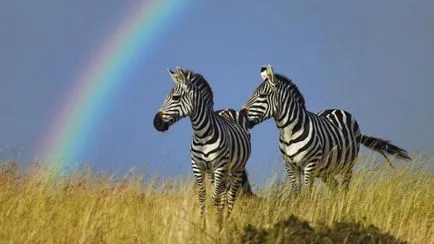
(241, 119)
(322, 145)
(220, 146)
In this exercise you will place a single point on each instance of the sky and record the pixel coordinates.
(374, 59)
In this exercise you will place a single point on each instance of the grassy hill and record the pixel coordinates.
(382, 206)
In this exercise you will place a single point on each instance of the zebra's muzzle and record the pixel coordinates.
(159, 123)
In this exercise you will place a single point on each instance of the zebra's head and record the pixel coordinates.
(275, 97)
(262, 104)
(182, 98)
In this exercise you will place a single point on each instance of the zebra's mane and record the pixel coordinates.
(199, 82)
(293, 89)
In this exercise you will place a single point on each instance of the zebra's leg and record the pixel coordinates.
(246, 188)
(348, 174)
(222, 197)
(199, 175)
(346, 180)
(200, 185)
(236, 179)
(330, 182)
(223, 194)
(211, 176)
(219, 187)
(308, 173)
(294, 176)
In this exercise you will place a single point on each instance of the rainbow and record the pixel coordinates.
(70, 132)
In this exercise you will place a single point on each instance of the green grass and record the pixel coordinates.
(384, 205)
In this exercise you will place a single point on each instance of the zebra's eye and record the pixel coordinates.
(262, 95)
(176, 97)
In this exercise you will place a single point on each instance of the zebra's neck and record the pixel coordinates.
(290, 120)
(203, 120)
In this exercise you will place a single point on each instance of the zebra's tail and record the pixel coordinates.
(383, 147)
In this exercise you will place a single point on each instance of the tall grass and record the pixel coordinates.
(82, 207)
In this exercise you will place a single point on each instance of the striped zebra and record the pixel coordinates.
(220, 147)
(323, 144)
(241, 119)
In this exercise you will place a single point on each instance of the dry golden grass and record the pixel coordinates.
(42, 207)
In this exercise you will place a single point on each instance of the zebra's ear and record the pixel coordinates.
(182, 78)
(181, 74)
(179, 70)
(267, 74)
(264, 73)
(173, 75)
(186, 75)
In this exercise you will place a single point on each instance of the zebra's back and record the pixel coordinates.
(235, 116)
(341, 132)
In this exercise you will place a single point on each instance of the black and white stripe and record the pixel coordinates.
(321, 144)
(220, 147)
(240, 119)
